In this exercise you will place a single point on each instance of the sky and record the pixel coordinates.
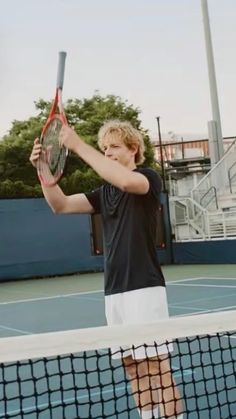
(151, 53)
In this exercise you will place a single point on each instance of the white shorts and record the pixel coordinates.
(140, 306)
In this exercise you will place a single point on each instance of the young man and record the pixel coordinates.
(134, 285)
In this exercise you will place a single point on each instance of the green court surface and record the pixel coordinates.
(77, 301)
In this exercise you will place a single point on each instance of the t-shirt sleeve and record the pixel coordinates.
(154, 182)
(94, 198)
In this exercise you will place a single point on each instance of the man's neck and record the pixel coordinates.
(131, 166)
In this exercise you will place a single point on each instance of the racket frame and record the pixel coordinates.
(53, 114)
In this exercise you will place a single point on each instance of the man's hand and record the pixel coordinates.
(69, 139)
(36, 151)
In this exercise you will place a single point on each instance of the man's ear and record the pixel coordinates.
(134, 148)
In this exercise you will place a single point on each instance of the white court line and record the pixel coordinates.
(203, 299)
(185, 308)
(30, 300)
(223, 278)
(24, 332)
(225, 308)
(169, 282)
(176, 281)
(207, 285)
(185, 371)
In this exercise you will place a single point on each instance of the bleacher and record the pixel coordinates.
(202, 199)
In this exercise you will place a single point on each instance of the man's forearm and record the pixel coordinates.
(55, 197)
(111, 171)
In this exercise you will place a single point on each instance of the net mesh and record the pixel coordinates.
(92, 384)
(53, 157)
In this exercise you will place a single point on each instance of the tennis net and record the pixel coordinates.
(73, 374)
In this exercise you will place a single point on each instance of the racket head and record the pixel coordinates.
(52, 159)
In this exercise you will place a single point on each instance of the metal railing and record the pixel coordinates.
(210, 198)
(191, 221)
(231, 176)
(191, 216)
(217, 178)
(222, 225)
(200, 216)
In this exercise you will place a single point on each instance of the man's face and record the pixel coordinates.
(116, 150)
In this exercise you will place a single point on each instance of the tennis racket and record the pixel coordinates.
(52, 158)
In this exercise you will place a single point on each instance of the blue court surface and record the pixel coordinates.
(86, 309)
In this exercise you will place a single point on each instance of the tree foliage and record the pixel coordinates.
(18, 177)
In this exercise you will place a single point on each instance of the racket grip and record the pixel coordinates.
(61, 69)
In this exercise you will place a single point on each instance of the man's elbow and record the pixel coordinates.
(126, 186)
(138, 188)
(58, 208)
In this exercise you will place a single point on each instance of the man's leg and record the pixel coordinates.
(145, 398)
(153, 385)
(170, 403)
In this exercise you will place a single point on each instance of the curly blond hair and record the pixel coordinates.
(124, 131)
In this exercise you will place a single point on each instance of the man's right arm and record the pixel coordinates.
(56, 199)
(63, 204)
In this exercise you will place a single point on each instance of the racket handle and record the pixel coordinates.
(61, 69)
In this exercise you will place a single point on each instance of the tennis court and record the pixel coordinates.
(58, 304)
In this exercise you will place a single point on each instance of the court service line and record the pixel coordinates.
(12, 329)
(204, 299)
(30, 300)
(170, 281)
(202, 311)
(206, 285)
(223, 278)
(186, 308)
(175, 281)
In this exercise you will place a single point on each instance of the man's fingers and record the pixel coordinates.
(35, 154)
(37, 148)
(61, 136)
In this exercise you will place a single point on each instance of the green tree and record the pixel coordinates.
(86, 116)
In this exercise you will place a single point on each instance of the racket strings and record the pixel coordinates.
(53, 156)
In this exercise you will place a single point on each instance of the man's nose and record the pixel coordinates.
(108, 152)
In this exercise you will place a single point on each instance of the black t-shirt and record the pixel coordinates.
(129, 229)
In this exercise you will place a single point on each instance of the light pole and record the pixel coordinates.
(214, 127)
(161, 153)
(166, 220)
